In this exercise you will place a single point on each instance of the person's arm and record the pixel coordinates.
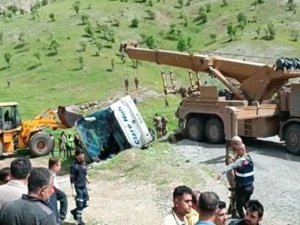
(50, 220)
(236, 164)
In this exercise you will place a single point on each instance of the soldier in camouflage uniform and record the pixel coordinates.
(231, 157)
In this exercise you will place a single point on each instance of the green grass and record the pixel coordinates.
(156, 165)
(59, 81)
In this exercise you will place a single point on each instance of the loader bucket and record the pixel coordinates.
(68, 117)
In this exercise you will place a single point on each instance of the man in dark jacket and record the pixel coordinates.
(244, 177)
(31, 208)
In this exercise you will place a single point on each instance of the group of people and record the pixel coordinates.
(196, 208)
(67, 143)
(33, 196)
(160, 124)
(136, 83)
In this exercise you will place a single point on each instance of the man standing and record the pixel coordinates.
(17, 185)
(254, 214)
(244, 177)
(136, 82)
(79, 183)
(182, 200)
(158, 125)
(164, 123)
(221, 215)
(208, 206)
(31, 208)
(232, 156)
(193, 216)
(54, 165)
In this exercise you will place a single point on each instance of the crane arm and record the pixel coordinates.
(258, 81)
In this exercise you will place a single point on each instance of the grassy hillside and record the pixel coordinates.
(40, 78)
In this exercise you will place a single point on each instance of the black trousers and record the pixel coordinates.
(243, 195)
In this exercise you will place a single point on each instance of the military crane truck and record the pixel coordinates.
(263, 104)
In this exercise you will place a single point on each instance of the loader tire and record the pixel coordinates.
(214, 131)
(40, 144)
(195, 129)
(292, 139)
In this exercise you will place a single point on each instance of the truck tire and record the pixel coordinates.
(195, 129)
(40, 144)
(214, 131)
(292, 138)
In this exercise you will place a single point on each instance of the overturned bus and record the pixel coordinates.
(113, 129)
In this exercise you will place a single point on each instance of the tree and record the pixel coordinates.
(23, 38)
(151, 14)
(202, 16)
(52, 17)
(83, 46)
(98, 48)
(84, 19)
(231, 31)
(7, 57)
(37, 55)
(89, 30)
(81, 62)
(213, 37)
(180, 3)
(242, 19)
(173, 33)
(76, 7)
(150, 42)
(295, 35)
(1, 37)
(54, 45)
(291, 5)
(134, 22)
(270, 31)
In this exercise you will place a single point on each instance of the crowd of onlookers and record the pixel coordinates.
(32, 196)
(196, 208)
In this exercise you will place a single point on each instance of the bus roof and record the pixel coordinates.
(3, 104)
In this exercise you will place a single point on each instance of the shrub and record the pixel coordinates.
(134, 22)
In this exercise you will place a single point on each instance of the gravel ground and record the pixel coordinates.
(277, 180)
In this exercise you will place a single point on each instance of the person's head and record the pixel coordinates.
(79, 155)
(20, 168)
(182, 199)
(4, 175)
(236, 141)
(254, 212)
(221, 214)
(208, 204)
(54, 164)
(241, 150)
(195, 198)
(40, 183)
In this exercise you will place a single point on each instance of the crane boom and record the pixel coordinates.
(258, 81)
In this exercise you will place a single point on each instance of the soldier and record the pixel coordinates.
(126, 83)
(62, 143)
(231, 158)
(158, 125)
(164, 122)
(112, 62)
(136, 82)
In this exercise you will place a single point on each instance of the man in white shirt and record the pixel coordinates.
(17, 186)
(182, 199)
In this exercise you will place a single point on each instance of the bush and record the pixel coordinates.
(84, 19)
(151, 14)
(242, 19)
(134, 22)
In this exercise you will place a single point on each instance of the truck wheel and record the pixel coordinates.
(40, 144)
(292, 139)
(214, 131)
(195, 129)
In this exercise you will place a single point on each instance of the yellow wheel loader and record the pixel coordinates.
(17, 134)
